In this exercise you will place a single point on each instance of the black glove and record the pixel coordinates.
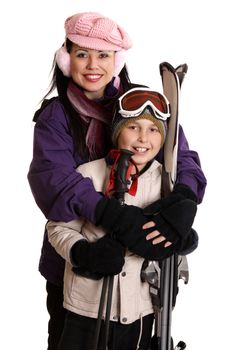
(174, 215)
(179, 193)
(125, 223)
(103, 257)
(189, 244)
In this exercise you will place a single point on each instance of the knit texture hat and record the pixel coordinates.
(92, 30)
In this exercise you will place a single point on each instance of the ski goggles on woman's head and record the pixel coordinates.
(135, 101)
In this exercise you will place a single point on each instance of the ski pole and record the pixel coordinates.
(119, 192)
(180, 346)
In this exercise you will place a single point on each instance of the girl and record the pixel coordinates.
(88, 250)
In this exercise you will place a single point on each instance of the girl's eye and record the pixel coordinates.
(154, 130)
(133, 127)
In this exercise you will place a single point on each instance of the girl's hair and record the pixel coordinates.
(60, 83)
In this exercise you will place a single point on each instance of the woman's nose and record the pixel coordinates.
(92, 63)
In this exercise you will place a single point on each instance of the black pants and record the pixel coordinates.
(78, 334)
(57, 314)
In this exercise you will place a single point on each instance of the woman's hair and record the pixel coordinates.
(60, 83)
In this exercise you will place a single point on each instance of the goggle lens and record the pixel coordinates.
(134, 102)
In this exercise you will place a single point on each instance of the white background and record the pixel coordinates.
(196, 32)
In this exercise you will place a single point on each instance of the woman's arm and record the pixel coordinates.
(189, 170)
(59, 190)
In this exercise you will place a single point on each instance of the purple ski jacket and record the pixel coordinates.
(63, 194)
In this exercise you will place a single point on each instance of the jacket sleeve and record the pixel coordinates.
(64, 235)
(59, 190)
(189, 170)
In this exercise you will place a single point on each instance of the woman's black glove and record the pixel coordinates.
(189, 244)
(125, 223)
(103, 257)
(174, 215)
(179, 193)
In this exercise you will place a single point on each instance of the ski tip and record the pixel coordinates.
(181, 71)
(182, 68)
(166, 65)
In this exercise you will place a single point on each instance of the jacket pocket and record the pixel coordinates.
(86, 290)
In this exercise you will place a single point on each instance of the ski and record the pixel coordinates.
(163, 276)
(171, 79)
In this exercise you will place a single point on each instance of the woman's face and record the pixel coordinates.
(92, 70)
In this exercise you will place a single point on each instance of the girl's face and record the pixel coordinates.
(143, 138)
(92, 70)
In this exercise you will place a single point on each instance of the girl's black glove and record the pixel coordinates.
(100, 258)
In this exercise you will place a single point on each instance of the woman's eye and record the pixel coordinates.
(81, 55)
(104, 55)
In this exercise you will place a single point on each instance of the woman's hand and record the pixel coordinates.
(155, 235)
(126, 224)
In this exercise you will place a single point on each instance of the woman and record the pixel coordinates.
(72, 129)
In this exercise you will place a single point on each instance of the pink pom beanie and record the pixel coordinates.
(92, 30)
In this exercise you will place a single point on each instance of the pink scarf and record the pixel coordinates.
(96, 115)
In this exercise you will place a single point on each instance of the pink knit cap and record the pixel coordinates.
(91, 30)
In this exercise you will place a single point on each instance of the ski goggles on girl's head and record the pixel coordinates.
(135, 101)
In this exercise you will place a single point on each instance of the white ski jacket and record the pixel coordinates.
(131, 298)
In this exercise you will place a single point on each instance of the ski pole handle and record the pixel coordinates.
(121, 174)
